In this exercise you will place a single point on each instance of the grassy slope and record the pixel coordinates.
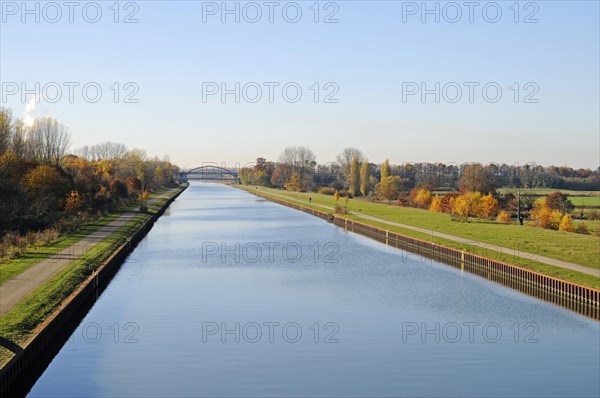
(585, 200)
(558, 272)
(18, 324)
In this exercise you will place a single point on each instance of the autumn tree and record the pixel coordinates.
(436, 204)
(466, 205)
(365, 178)
(278, 178)
(74, 202)
(545, 217)
(422, 198)
(293, 184)
(559, 201)
(300, 160)
(566, 224)
(488, 207)
(46, 188)
(447, 201)
(354, 177)
(389, 188)
(133, 184)
(385, 169)
(503, 218)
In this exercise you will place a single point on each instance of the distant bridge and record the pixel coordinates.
(210, 173)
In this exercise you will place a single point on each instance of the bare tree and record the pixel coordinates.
(109, 150)
(84, 152)
(19, 144)
(520, 180)
(344, 159)
(6, 129)
(49, 140)
(104, 151)
(299, 159)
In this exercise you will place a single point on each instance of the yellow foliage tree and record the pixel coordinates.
(423, 198)
(336, 196)
(293, 184)
(385, 170)
(436, 204)
(545, 217)
(566, 224)
(488, 207)
(460, 207)
(74, 202)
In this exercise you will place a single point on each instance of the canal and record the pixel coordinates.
(231, 295)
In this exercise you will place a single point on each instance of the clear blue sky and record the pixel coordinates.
(368, 54)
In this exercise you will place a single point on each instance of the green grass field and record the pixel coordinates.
(585, 200)
(579, 249)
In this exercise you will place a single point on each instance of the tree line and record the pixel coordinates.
(465, 190)
(43, 183)
(353, 172)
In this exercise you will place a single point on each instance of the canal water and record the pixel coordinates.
(230, 295)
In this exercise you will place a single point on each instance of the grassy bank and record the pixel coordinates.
(19, 323)
(11, 267)
(495, 234)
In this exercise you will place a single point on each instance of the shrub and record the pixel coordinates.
(545, 217)
(503, 218)
(566, 224)
(582, 228)
(326, 190)
(592, 215)
(341, 209)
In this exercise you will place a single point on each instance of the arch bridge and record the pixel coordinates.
(211, 173)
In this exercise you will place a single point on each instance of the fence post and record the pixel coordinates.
(462, 261)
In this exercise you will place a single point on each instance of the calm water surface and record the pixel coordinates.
(300, 307)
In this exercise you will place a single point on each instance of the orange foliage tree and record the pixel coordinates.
(503, 218)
